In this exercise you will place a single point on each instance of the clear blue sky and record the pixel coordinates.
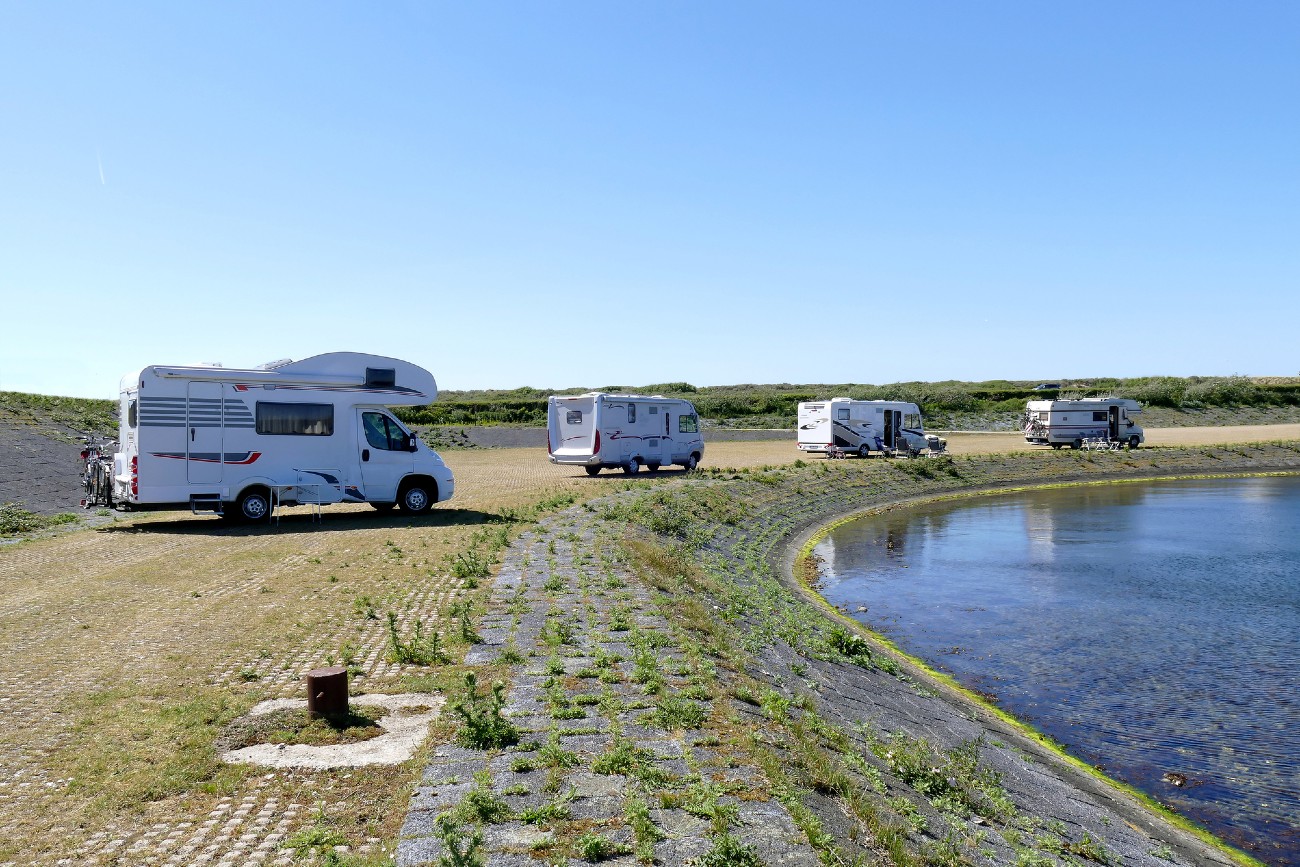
(587, 194)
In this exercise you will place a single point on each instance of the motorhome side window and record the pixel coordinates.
(1099, 416)
(631, 413)
(688, 424)
(132, 416)
(912, 421)
(295, 419)
(383, 433)
(842, 414)
(573, 416)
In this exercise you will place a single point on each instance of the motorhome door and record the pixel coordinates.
(1114, 423)
(203, 434)
(385, 455)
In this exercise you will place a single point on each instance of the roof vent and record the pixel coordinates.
(381, 377)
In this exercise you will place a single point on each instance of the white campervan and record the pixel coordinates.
(1069, 422)
(239, 442)
(863, 426)
(596, 430)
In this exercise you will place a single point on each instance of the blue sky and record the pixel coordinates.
(589, 194)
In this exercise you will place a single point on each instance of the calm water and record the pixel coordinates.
(1154, 629)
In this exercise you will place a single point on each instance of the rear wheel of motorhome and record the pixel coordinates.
(653, 467)
(632, 467)
(253, 504)
(593, 471)
(863, 451)
(418, 496)
(1077, 444)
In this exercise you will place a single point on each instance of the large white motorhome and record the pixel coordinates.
(1070, 422)
(598, 430)
(860, 427)
(239, 442)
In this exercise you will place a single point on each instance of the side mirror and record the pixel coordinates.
(412, 444)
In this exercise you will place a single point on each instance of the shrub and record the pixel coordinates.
(484, 725)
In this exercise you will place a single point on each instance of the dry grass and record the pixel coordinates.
(128, 648)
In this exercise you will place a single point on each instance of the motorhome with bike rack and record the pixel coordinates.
(611, 431)
(1075, 423)
(845, 426)
(241, 442)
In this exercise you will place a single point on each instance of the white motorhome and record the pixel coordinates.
(598, 430)
(1070, 422)
(863, 426)
(239, 442)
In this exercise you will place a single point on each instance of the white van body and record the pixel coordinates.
(238, 442)
(1069, 422)
(598, 430)
(863, 426)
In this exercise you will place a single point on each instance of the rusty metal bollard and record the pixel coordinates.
(327, 692)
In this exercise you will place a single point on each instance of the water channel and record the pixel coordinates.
(1153, 628)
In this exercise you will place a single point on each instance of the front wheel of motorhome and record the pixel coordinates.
(692, 462)
(417, 498)
(253, 505)
(1134, 442)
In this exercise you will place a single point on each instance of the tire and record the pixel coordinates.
(632, 467)
(417, 497)
(593, 471)
(863, 451)
(654, 468)
(1077, 444)
(1055, 446)
(253, 504)
(1134, 442)
(692, 462)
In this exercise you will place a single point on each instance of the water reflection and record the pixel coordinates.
(1154, 628)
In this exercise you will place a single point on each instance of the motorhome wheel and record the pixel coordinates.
(1134, 442)
(632, 467)
(863, 451)
(593, 471)
(692, 462)
(1077, 444)
(653, 467)
(416, 498)
(253, 505)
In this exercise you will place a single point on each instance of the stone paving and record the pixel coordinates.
(593, 649)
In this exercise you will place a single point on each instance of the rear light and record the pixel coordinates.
(595, 448)
(135, 476)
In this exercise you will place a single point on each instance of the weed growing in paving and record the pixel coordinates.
(597, 847)
(424, 648)
(481, 804)
(675, 712)
(464, 610)
(727, 851)
(484, 726)
(459, 849)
